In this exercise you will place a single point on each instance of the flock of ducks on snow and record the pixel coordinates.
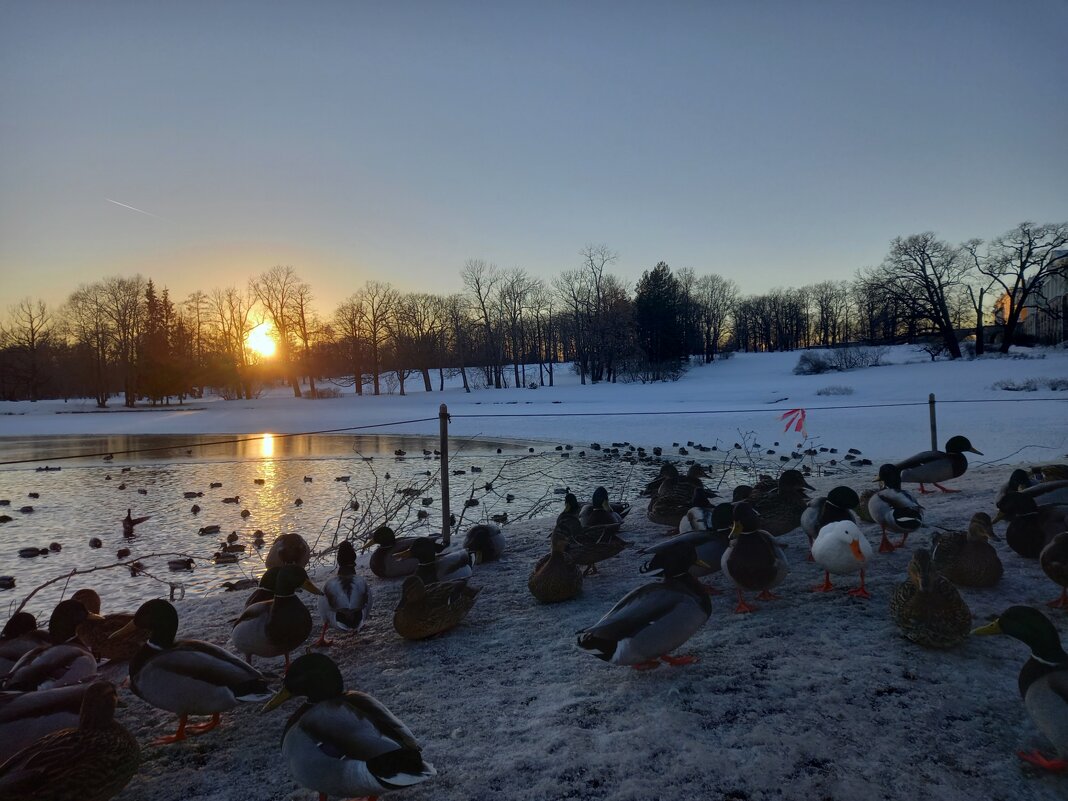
(60, 740)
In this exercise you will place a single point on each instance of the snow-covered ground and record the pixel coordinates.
(711, 404)
(811, 697)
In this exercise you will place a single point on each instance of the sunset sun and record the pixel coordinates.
(259, 341)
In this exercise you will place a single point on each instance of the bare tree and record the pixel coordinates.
(307, 327)
(232, 312)
(348, 324)
(1020, 262)
(482, 280)
(196, 307)
(716, 298)
(86, 321)
(276, 290)
(376, 301)
(124, 304)
(457, 331)
(26, 337)
(513, 295)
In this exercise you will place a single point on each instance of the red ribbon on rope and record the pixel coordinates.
(795, 418)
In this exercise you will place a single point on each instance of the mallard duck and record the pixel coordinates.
(91, 762)
(699, 516)
(1031, 526)
(1018, 480)
(485, 542)
(130, 521)
(188, 677)
(27, 717)
(836, 506)
(1048, 492)
(585, 547)
(265, 590)
(931, 467)
(753, 559)
(346, 599)
(96, 634)
(780, 510)
(673, 499)
(652, 489)
(20, 635)
(384, 563)
(1054, 562)
(927, 607)
(344, 743)
(1050, 472)
(841, 548)
(555, 577)
(710, 542)
(428, 609)
(893, 508)
(289, 549)
(63, 660)
(599, 514)
(968, 559)
(652, 620)
(280, 625)
(436, 564)
(1043, 679)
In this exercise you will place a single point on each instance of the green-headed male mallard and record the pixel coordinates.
(435, 563)
(20, 634)
(652, 620)
(1054, 562)
(710, 541)
(344, 743)
(346, 599)
(780, 509)
(585, 546)
(931, 467)
(893, 508)
(278, 626)
(1031, 526)
(1043, 679)
(188, 677)
(91, 762)
(699, 516)
(968, 559)
(1018, 480)
(927, 607)
(485, 542)
(384, 563)
(599, 514)
(753, 559)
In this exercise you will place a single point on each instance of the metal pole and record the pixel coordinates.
(934, 423)
(443, 446)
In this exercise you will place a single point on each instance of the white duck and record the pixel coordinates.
(841, 548)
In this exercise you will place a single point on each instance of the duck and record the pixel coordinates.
(428, 609)
(265, 589)
(1054, 562)
(436, 564)
(674, 497)
(931, 467)
(384, 563)
(188, 677)
(346, 599)
(1043, 680)
(63, 660)
(600, 514)
(280, 625)
(485, 542)
(27, 717)
(753, 559)
(1031, 526)
(555, 576)
(968, 559)
(653, 620)
(92, 761)
(841, 548)
(1018, 480)
(894, 508)
(710, 542)
(585, 547)
(130, 521)
(652, 489)
(289, 549)
(343, 742)
(20, 634)
(780, 509)
(699, 516)
(927, 607)
(1050, 472)
(836, 506)
(96, 632)
(1048, 492)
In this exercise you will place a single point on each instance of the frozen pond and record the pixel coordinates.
(282, 483)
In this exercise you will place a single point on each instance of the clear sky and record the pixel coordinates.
(777, 143)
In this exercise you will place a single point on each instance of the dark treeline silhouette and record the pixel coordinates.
(126, 336)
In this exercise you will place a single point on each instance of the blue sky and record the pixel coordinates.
(777, 143)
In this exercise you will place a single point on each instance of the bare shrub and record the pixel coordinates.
(1030, 385)
(835, 389)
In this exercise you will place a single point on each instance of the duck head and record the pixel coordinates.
(722, 518)
(571, 504)
(89, 599)
(1018, 480)
(741, 493)
(746, 519)
(701, 498)
(292, 578)
(1014, 505)
(696, 472)
(673, 561)
(346, 557)
(793, 481)
(20, 623)
(959, 444)
(156, 616)
(981, 528)
(65, 619)
(314, 676)
(890, 476)
(423, 549)
(921, 570)
(383, 535)
(843, 497)
(98, 706)
(1030, 627)
(600, 499)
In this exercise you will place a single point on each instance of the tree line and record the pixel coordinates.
(126, 336)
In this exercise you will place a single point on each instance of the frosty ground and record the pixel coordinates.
(813, 696)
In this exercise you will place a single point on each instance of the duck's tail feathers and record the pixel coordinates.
(349, 619)
(253, 691)
(602, 648)
(401, 768)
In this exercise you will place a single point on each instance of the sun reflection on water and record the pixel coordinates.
(267, 446)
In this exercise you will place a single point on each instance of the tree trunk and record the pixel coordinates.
(426, 380)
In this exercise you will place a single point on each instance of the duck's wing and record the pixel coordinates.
(209, 663)
(355, 726)
(920, 459)
(638, 609)
(695, 537)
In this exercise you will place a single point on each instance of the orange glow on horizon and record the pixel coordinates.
(260, 341)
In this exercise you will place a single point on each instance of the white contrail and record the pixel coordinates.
(139, 211)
